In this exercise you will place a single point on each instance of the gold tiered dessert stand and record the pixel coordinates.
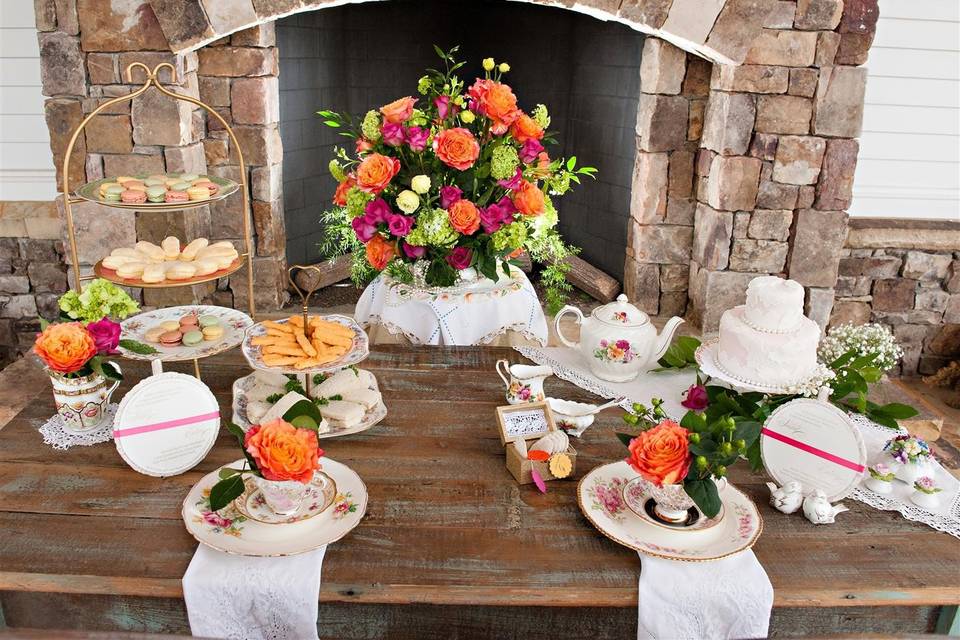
(72, 199)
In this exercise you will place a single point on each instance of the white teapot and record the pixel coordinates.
(618, 340)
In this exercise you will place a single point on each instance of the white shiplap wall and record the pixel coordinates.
(26, 166)
(909, 165)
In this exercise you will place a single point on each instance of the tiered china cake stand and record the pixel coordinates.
(238, 321)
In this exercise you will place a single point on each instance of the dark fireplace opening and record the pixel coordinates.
(358, 57)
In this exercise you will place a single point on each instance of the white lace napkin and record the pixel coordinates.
(729, 598)
(55, 435)
(250, 598)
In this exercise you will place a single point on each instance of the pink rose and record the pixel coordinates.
(392, 134)
(363, 145)
(460, 258)
(512, 184)
(497, 214)
(377, 211)
(413, 251)
(400, 225)
(530, 149)
(696, 398)
(363, 229)
(449, 195)
(106, 335)
(416, 137)
(444, 108)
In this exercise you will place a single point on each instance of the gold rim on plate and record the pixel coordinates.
(90, 192)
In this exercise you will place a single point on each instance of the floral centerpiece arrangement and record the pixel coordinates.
(454, 179)
(74, 350)
(907, 449)
(281, 456)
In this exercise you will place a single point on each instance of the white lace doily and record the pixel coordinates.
(570, 365)
(729, 598)
(55, 435)
(945, 518)
(241, 597)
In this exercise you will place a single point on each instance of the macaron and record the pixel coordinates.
(176, 196)
(162, 177)
(135, 185)
(122, 179)
(180, 186)
(106, 185)
(210, 186)
(156, 193)
(113, 193)
(192, 338)
(172, 181)
(171, 338)
(153, 334)
(208, 320)
(189, 320)
(198, 193)
(188, 177)
(132, 196)
(213, 332)
(170, 325)
(154, 182)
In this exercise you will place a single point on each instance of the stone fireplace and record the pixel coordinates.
(736, 160)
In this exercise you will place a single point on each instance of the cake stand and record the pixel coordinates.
(706, 356)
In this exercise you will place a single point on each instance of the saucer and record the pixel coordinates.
(319, 496)
(230, 531)
(601, 499)
(706, 356)
(637, 497)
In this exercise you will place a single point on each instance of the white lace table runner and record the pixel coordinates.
(569, 365)
(55, 435)
(241, 597)
(729, 598)
(470, 314)
(945, 518)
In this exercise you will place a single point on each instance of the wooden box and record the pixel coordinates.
(528, 422)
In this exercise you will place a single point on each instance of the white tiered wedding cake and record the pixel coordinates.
(769, 341)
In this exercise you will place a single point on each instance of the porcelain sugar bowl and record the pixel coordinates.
(618, 340)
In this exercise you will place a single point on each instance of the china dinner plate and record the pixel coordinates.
(91, 192)
(358, 351)
(230, 531)
(234, 324)
(601, 499)
(242, 386)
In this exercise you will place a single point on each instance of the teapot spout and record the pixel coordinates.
(666, 336)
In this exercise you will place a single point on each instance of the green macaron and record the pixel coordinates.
(113, 193)
(188, 177)
(208, 321)
(156, 194)
(192, 338)
(181, 186)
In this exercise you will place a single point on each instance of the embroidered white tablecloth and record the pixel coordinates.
(471, 313)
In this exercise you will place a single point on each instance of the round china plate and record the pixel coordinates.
(816, 444)
(600, 495)
(230, 531)
(706, 356)
(110, 274)
(242, 386)
(91, 192)
(357, 352)
(234, 324)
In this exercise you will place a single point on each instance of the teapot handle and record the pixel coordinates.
(506, 366)
(116, 383)
(556, 325)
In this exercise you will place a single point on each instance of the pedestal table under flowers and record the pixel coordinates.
(438, 198)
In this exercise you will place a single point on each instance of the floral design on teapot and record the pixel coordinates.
(614, 351)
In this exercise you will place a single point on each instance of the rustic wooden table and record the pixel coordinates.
(451, 546)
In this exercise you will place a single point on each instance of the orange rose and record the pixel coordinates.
(283, 452)
(661, 454)
(375, 172)
(456, 148)
(525, 128)
(379, 252)
(65, 347)
(464, 217)
(398, 111)
(496, 101)
(340, 196)
(528, 199)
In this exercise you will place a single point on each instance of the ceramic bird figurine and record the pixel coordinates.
(787, 498)
(818, 509)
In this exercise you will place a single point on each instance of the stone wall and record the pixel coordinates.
(906, 275)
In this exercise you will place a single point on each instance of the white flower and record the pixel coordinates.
(865, 340)
(408, 201)
(420, 183)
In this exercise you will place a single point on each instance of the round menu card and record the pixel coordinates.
(166, 424)
(814, 443)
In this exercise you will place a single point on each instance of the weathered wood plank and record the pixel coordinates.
(591, 280)
(324, 274)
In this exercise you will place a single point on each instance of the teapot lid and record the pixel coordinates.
(621, 313)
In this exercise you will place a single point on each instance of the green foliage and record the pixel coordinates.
(854, 372)
(681, 354)
(137, 347)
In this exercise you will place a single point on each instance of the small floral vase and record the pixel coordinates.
(910, 471)
(82, 402)
(282, 496)
(879, 486)
(672, 501)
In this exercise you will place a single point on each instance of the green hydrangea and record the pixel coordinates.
(503, 162)
(542, 224)
(418, 118)
(337, 171)
(511, 236)
(424, 84)
(433, 228)
(99, 299)
(356, 201)
(370, 127)
(541, 116)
